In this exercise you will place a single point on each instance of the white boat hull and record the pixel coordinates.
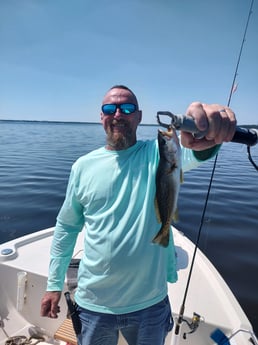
(208, 294)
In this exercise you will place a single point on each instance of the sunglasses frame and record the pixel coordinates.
(118, 106)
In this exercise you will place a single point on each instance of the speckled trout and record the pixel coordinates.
(168, 179)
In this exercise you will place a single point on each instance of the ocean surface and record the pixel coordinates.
(35, 161)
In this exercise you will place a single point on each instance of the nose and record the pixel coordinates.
(118, 114)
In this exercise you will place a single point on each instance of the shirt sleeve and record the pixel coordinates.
(70, 222)
(192, 159)
(206, 154)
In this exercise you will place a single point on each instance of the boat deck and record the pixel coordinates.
(208, 294)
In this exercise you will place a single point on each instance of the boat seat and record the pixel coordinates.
(66, 332)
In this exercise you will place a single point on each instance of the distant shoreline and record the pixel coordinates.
(67, 122)
(47, 121)
(91, 123)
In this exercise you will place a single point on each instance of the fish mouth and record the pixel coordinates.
(168, 135)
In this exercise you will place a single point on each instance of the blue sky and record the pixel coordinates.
(59, 57)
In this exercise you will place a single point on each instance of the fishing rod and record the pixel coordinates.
(242, 135)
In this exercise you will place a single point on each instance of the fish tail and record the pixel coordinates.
(162, 238)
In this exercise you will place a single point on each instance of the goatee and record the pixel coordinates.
(119, 141)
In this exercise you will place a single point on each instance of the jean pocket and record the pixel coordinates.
(170, 324)
(170, 321)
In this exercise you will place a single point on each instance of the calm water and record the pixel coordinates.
(35, 161)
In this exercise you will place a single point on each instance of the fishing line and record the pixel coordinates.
(250, 158)
(233, 86)
(181, 313)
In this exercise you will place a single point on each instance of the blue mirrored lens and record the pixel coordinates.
(126, 108)
(109, 109)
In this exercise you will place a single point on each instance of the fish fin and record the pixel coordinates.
(161, 238)
(157, 210)
(176, 216)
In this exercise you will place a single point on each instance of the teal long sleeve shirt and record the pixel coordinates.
(110, 196)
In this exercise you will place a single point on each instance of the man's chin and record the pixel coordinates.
(118, 141)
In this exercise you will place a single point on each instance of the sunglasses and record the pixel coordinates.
(125, 108)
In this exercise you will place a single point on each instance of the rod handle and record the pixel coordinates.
(245, 136)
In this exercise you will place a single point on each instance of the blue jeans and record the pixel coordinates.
(143, 327)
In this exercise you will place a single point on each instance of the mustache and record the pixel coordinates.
(116, 122)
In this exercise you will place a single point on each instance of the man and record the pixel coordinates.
(122, 278)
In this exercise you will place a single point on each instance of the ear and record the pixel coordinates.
(139, 116)
(101, 117)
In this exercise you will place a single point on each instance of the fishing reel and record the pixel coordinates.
(193, 325)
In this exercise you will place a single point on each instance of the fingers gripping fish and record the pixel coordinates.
(168, 178)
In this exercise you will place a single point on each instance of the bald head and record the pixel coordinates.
(130, 93)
